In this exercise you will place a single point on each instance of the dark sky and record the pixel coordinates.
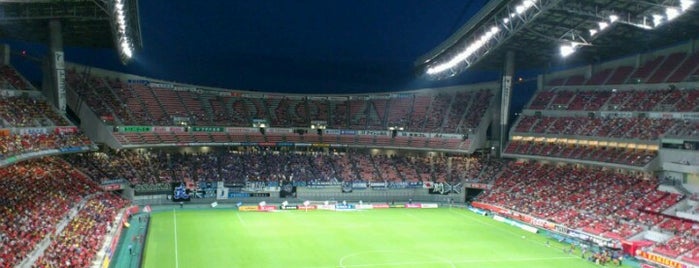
(312, 46)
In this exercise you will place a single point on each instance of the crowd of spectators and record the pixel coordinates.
(596, 200)
(26, 111)
(632, 100)
(11, 79)
(623, 156)
(34, 121)
(609, 127)
(16, 144)
(36, 195)
(677, 245)
(150, 170)
(580, 198)
(80, 240)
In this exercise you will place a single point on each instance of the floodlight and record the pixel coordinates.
(671, 13)
(528, 3)
(613, 18)
(506, 20)
(603, 25)
(593, 32)
(657, 19)
(520, 9)
(686, 4)
(567, 50)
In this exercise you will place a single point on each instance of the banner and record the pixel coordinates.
(482, 186)
(344, 206)
(380, 205)
(359, 185)
(33, 131)
(413, 205)
(247, 208)
(161, 85)
(59, 61)
(241, 130)
(311, 207)
(112, 187)
(135, 129)
(221, 193)
(266, 208)
(207, 129)
(661, 260)
(287, 190)
(347, 187)
(168, 129)
(4, 132)
(66, 130)
(429, 205)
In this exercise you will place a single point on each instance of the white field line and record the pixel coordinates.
(174, 217)
(237, 213)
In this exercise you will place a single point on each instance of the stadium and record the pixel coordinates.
(500, 133)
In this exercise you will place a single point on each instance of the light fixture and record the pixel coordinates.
(603, 25)
(657, 20)
(593, 32)
(686, 4)
(467, 52)
(125, 45)
(613, 18)
(671, 13)
(568, 49)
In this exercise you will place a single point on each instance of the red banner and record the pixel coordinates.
(381, 205)
(409, 205)
(307, 207)
(112, 187)
(266, 208)
(66, 130)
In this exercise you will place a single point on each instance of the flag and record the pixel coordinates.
(147, 209)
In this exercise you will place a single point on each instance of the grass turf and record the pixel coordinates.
(325, 239)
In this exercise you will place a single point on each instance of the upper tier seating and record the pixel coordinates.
(156, 104)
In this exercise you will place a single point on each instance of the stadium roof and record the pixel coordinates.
(85, 23)
(539, 35)
(318, 45)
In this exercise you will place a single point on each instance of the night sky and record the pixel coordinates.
(286, 46)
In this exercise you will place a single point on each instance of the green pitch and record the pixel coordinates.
(324, 239)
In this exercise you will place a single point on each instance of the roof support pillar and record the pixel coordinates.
(57, 87)
(506, 96)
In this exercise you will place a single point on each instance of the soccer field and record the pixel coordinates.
(326, 239)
